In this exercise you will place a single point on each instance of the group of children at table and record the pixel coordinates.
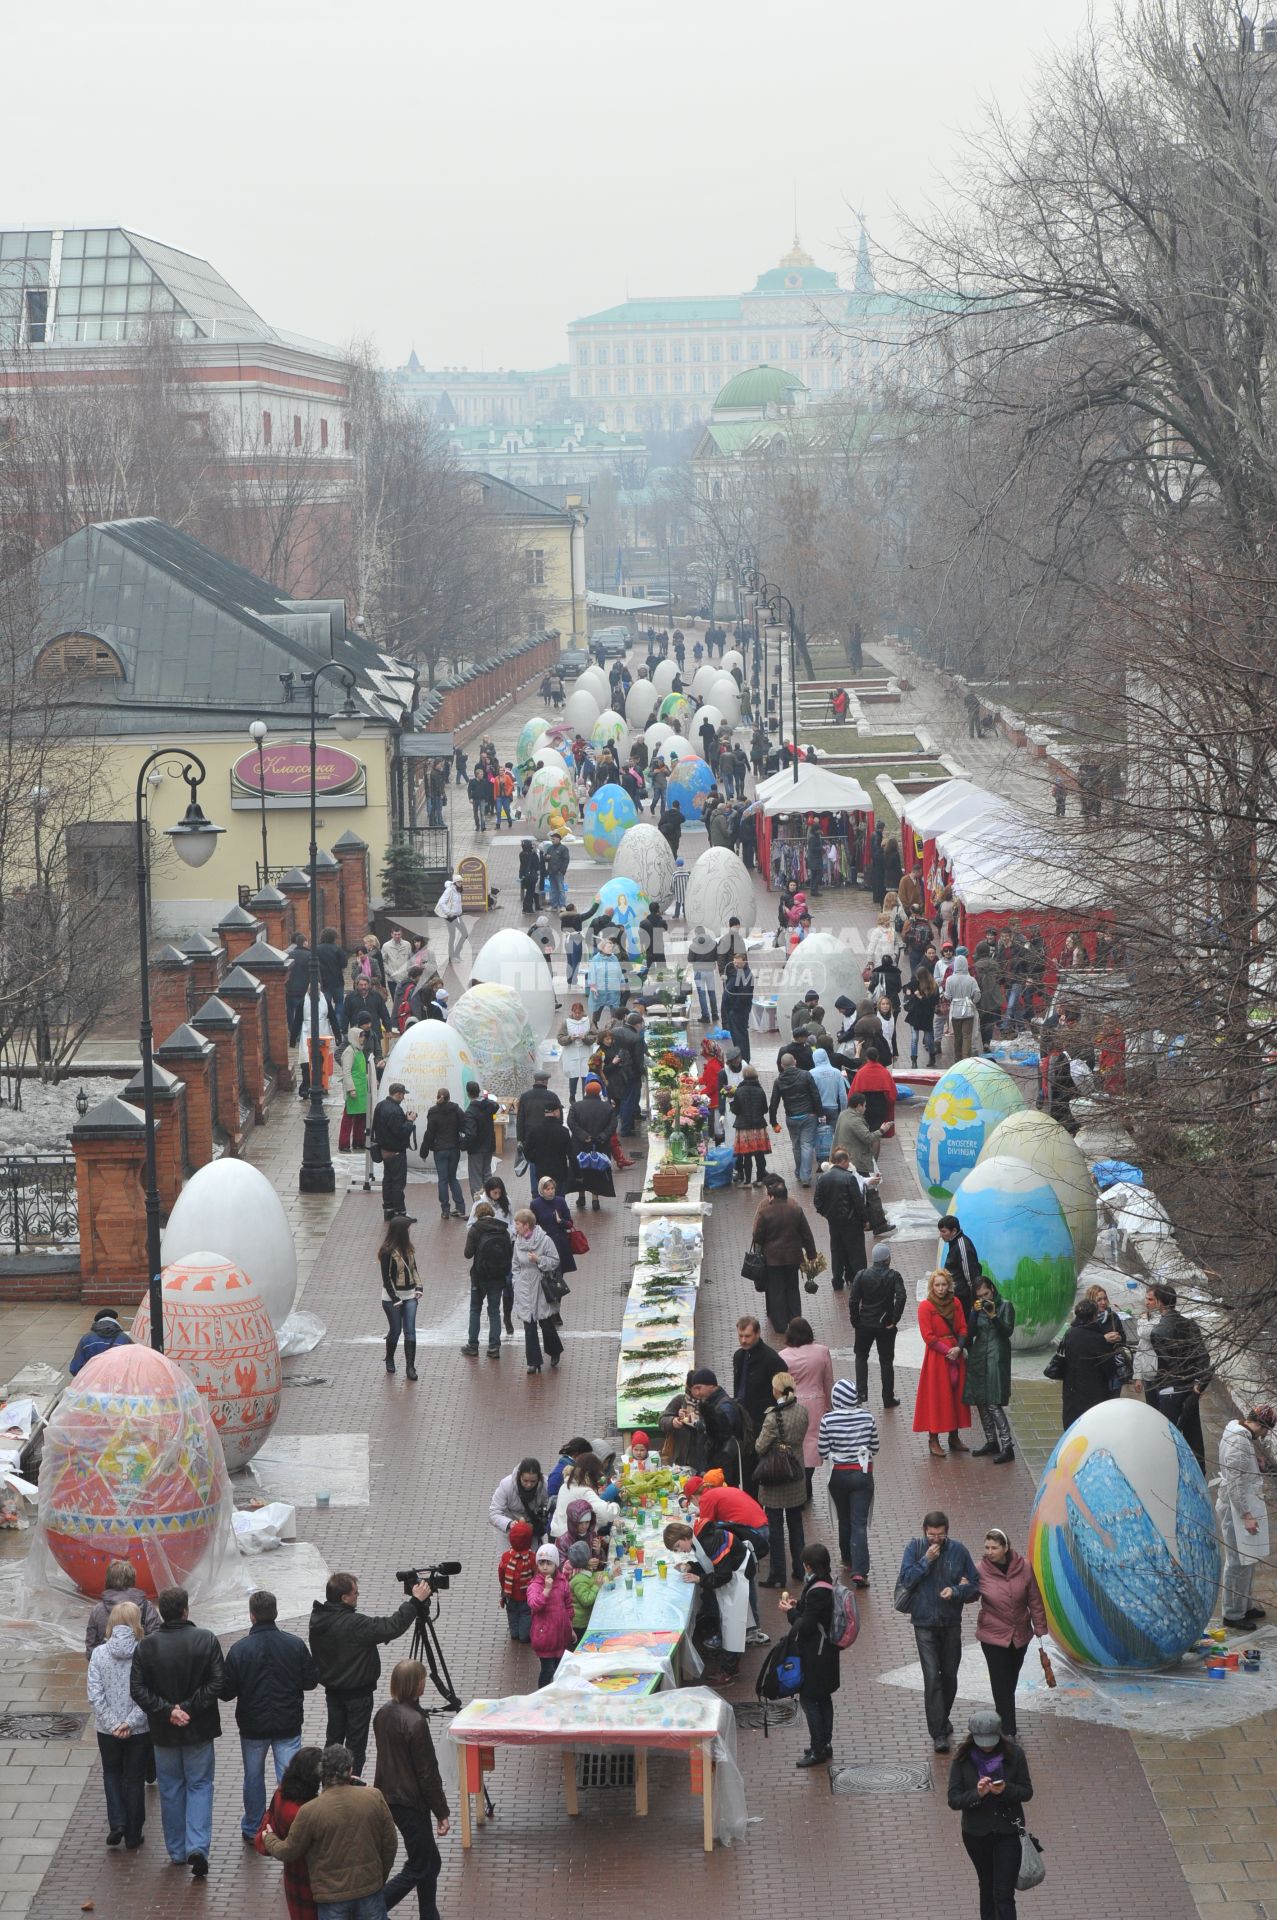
(548, 1594)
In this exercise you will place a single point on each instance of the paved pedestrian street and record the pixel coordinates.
(1141, 1828)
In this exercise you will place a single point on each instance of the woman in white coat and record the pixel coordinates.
(1242, 1513)
(583, 1480)
(575, 1041)
(535, 1256)
(448, 907)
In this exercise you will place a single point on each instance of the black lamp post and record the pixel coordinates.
(776, 600)
(257, 734)
(317, 1175)
(194, 837)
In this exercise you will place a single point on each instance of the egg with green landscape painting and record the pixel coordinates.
(1013, 1216)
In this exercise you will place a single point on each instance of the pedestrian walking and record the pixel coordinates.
(752, 1141)
(962, 997)
(409, 1781)
(1082, 1364)
(449, 908)
(489, 1250)
(848, 1441)
(344, 1643)
(575, 1036)
(840, 1201)
(400, 1291)
(1242, 1512)
(811, 1622)
(989, 1784)
(876, 1303)
(299, 1785)
(781, 1477)
(394, 1126)
(354, 1065)
(939, 1406)
(1183, 1369)
(347, 1840)
(796, 1091)
(812, 1367)
(592, 1122)
(176, 1679)
(937, 1579)
(987, 1386)
(443, 1140)
(123, 1730)
(478, 1136)
(782, 1234)
(535, 1261)
(1011, 1612)
(268, 1675)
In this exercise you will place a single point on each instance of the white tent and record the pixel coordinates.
(816, 790)
(951, 805)
(1044, 884)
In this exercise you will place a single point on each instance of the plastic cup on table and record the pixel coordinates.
(629, 1583)
(661, 1569)
(638, 1553)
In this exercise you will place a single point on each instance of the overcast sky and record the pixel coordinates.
(469, 178)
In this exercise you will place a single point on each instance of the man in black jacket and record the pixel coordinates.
(332, 978)
(623, 1058)
(532, 1107)
(268, 1674)
(365, 1002)
(670, 826)
(754, 1367)
(722, 1421)
(480, 1137)
(344, 1643)
(444, 1131)
(392, 1130)
(176, 1679)
(840, 1201)
(961, 1261)
(876, 1303)
(1183, 1368)
(798, 1093)
(297, 987)
(738, 1001)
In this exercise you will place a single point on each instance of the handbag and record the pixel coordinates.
(1054, 1368)
(1032, 1866)
(753, 1267)
(778, 1465)
(577, 1242)
(554, 1287)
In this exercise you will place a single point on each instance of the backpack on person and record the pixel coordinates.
(491, 1260)
(845, 1622)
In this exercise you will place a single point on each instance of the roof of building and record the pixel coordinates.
(515, 503)
(543, 436)
(758, 387)
(717, 309)
(194, 632)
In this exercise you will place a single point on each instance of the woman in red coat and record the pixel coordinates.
(939, 1408)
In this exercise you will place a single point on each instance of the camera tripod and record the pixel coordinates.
(426, 1648)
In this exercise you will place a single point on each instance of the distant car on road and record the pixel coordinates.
(612, 642)
(571, 661)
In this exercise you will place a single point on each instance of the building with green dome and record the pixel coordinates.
(657, 364)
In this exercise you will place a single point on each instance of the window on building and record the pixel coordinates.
(640, 383)
(696, 349)
(794, 347)
(773, 350)
(658, 354)
(676, 352)
(36, 303)
(815, 379)
(100, 859)
(323, 435)
(734, 350)
(195, 428)
(755, 349)
(583, 356)
(78, 656)
(678, 383)
(640, 353)
(698, 383)
(600, 356)
(605, 383)
(267, 429)
(297, 429)
(584, 385)
(347, 435)
(621, 356)
(622, 382)
(534, 560)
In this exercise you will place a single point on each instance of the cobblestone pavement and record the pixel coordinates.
(436, 1450)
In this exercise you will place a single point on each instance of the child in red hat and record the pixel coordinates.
(514, 1571)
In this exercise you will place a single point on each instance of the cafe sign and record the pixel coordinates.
(284, 773)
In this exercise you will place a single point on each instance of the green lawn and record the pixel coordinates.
(847, 740)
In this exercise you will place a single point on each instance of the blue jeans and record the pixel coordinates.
(489, 1291)
(503, 808)
(627, 1119)
(557, 885)
(852, 1494)
(802, 1138)
(572, 954)
(447, 1160)
(254, 1754)
(708, 998)
(401, 1314)
(370, 1906)
(185, 1776)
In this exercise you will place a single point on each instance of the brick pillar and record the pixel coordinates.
(189, 1057)
(207, 959)
(170, 1145)
(295, 888)
(329, 892)
(238, 930)
(272, 909)
(247, 997)
(109, 1145)
(352, 857)
(272, 968)
(170, 974)
(220, 1024)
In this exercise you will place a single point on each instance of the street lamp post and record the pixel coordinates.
(40, 797)
(317, 1175)
(257, 733)
(776, 600)
(194, 837)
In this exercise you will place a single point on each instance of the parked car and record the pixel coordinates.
(612, 642)
(571, 661)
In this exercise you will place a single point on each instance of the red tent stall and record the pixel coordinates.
(785, 809)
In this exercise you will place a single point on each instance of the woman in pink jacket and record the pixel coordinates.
(812, 1368)
(1011, 1612)
(550, 1599)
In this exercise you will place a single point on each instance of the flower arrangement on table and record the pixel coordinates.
(649, 1488)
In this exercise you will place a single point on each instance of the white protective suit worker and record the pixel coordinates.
(1242, 1513)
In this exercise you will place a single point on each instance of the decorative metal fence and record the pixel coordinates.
(38, 1204)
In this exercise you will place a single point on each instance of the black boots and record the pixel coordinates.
(392, 1341)
(410, 1358)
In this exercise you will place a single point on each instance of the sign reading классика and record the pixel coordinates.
(285, 770)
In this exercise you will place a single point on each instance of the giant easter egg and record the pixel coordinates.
(725, 695)
(550, 796)
(529, 735)
(230, 1207)
(664, 674)
(965, 1105)
(689, 783)
(676, 708)
(656, 735)
(133, 1470)
(1122, 1539)
(825, 964)
(581, 710)
(718, 889)
(627, 905)
(607, 729)
(493, 1022)
(731, 658)
(549, 757)
(609, 811)
(640, 703)
(1017, 1224)
(1047, 1147)
(511, 959)
(675, 748)
(645, 857)
(217, 1330)
(594, 682)
(427, 1057)
(704, 678)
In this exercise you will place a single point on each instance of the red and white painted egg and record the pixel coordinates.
(217, 1329)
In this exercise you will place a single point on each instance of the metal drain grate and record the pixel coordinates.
(607, 1769)
(880, 1776)
(765, 1713)
(42, 1726)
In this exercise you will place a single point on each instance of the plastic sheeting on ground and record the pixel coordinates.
(301, 1332)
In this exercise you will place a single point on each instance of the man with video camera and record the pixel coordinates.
(344, 1643)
